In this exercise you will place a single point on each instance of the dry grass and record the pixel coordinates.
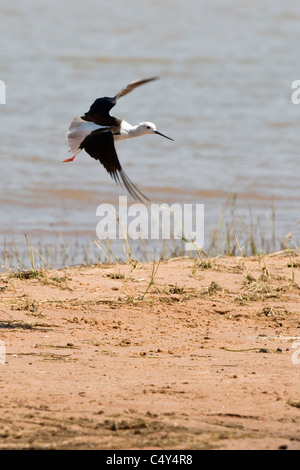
(235, 234)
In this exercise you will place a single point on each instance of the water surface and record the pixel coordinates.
(226, 70)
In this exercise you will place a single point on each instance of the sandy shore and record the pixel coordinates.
(204, 359)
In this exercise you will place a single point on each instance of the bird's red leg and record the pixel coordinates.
(69, 159)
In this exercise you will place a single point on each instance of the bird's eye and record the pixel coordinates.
(148, 127)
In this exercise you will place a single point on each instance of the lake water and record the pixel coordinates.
(226, 71)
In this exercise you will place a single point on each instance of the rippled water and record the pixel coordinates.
(226, 70)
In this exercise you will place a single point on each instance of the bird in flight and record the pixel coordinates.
(97, 130)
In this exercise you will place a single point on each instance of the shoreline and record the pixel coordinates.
(180, 354)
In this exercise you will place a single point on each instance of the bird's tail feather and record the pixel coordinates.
(131, 187)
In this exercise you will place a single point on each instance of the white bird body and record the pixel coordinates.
(80, 129)
(127, 130)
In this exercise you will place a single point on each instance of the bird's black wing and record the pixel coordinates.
(100, 146)
(99, 111)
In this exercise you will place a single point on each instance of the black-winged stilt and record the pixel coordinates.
(96, 131)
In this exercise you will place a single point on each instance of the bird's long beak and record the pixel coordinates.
(159, 133)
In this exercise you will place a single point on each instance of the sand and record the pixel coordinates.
(204, 357)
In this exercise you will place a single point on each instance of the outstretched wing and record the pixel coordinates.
(133, 85)
(99, 111)
(100, 146)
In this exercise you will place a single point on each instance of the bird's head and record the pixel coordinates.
(150, 128)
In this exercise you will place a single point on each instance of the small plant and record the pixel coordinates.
(241, 252)
(174, 289)
(155, 267)
(291, 265)
(115, 276)
(31, 256)
(264, 271)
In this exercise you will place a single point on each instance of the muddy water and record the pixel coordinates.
(226, 70)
